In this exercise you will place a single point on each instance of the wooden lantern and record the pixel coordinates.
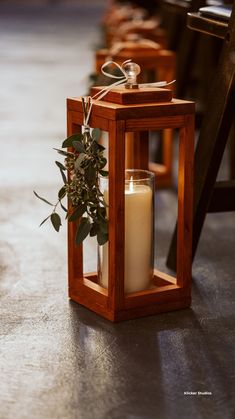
(168, 292)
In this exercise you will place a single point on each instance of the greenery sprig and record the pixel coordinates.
(84, 163)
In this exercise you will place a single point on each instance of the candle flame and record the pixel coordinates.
(131, 185)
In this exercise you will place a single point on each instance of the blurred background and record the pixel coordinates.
(47, 50)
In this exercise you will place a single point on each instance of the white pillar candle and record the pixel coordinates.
(138, 239)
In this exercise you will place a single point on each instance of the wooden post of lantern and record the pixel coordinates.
(168, 292)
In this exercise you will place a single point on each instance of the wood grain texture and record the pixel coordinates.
(185, 202)
(206, 25)
(151, 123)
(75, 254)
(133, 312)
(113, 111)
(124, 96)
(116, 213)
(76, 116)
(149, 310)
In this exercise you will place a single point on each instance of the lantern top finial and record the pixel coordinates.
(132, 70)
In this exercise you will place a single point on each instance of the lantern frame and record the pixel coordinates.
(170, 292)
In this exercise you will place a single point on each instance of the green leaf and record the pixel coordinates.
(44, 221)
(68, 142)
(79, 146)
(103, 162)
(101, 147)
(63, 153)
(43, 199)
(96, 134)
(102, 238)
(94, 229)
(79, 211)
(63, 176)
(56, 221)
(83, 230)
(102, 213)
(103, 226)
(60, 165)
(94, 147)
(62, 206)
(90, 174)
(103, 203)
(103, 172)
(79, 160)
(62, 193)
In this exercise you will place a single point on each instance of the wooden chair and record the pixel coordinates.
(188, 46)
(209, 195)
(143, 19)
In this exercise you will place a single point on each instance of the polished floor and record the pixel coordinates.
(58, 360)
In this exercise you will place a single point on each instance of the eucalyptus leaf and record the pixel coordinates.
(103, 203)
(56, 221)
(96, 134)
(94, 147)
(103, 173)
(79, 160)
(64, 153)
(103, 226)
(60, 165)
(43, 199)
(94, 229)
(63, 207)
(83, 230)
(68, 142)
(63, 176)
(103, 162)
(44, 220)
(90, 173)
(62, 193)
(101, 147)
(79, 146)
(77, 213)
(102, 238)
(83, 164)
(102, 212)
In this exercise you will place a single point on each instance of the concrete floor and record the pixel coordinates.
(58, 360)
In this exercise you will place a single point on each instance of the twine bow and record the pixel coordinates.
(87, 101)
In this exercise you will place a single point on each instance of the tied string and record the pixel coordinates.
(87, 101)
(121, 80)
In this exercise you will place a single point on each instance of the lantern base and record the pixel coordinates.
(162, 297)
